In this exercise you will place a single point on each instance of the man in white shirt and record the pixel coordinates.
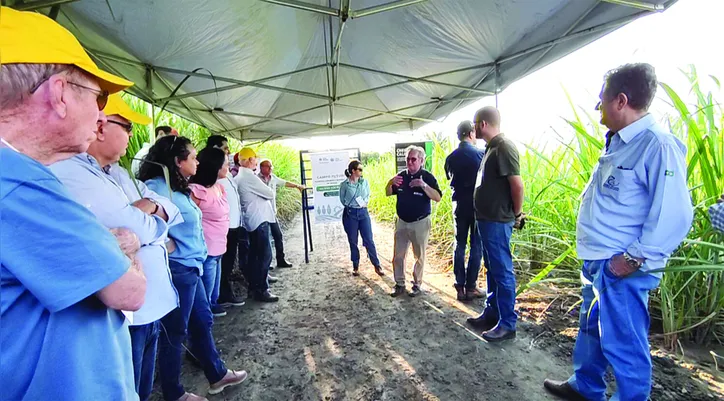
(226, 291)
(272, 181)
(161, 131)
(258, 214)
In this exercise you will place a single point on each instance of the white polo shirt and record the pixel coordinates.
(232, 198)
(256, 200)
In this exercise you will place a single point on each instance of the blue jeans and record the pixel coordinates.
(356, 222)
(501, 278)
(256, 270)
(465, 228)
(144, 343)
(621, 315)
(212, 278)
(193, 316)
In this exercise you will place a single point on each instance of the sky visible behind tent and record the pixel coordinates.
(690, 32)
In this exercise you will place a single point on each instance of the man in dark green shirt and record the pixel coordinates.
(498, 205)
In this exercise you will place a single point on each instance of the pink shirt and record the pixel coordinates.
(214, 216)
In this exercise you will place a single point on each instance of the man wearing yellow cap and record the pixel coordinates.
(97, 181)
(258, 214)
(64, 278)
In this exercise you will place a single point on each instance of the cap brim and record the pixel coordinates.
(107, 81)
(136, 118)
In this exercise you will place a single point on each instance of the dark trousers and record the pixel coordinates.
(256, 270)
(356, 222)
(276, 233)
(243, 248)
(501, 278)
(193, 316)
(465, 228)
(227, 264)
(144, 344)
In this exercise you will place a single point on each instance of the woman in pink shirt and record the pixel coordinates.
(211, 199)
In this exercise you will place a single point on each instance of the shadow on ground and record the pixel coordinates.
(333, 336)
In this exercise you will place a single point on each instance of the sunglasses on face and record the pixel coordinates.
(359, 169)
(101, 95)
(412, 159)
(127, 127)
(598, 106)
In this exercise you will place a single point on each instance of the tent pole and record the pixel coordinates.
(300, 5)
(239, 85)
(383, 7)
(423, 80)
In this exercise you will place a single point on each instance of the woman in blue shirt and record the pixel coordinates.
(178, 155)
(354, 192)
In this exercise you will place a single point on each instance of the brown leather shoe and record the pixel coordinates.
(461, 293)
(563, 390)
(473, 293)
(232, 378)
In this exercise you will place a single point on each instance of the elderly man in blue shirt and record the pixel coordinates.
(63, 277)
(634, 213)
(100, 184)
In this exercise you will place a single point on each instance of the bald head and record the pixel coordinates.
(487, 123)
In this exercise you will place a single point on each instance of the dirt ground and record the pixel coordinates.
(333, 336)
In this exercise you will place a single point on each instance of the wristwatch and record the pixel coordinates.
(631, 261)
(158, 205)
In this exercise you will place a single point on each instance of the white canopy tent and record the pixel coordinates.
(272, 69)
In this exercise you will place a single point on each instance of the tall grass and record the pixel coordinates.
(690, 299)
(284, 158)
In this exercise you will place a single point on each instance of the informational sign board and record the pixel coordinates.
(401, 163)
(327, 173)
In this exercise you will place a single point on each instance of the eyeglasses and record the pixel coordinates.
(412, 159)
(359, 169)
(101, 95)
(127, 127)
(101, 99)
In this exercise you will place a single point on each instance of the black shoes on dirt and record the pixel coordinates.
(399, 290)
(266, 296)
(415, 291)
(498, 334)
(284, 264)
(563, 390)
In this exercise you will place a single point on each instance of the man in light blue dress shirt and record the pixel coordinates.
(634, 213)
(106, 189)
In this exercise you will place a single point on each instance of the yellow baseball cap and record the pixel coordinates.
(246, 153)
(117, 106)
(31, 38)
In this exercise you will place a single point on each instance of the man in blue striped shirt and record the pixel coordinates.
(635, 211)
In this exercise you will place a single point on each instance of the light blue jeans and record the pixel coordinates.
(614, 333)
(212, 278)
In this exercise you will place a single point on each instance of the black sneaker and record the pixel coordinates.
(399, 290)
(232, 300)
(284, 263)
(415, 291)
(218, 310)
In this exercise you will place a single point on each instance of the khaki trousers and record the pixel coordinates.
(417, 234)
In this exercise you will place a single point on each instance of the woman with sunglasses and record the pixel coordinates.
(193, 315)
(210, 197)
(354, 192)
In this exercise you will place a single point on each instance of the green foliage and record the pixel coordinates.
(690, 299)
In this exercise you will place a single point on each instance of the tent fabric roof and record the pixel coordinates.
(271, 69)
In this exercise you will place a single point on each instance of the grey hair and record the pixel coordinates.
(412, 148)
(17, 80)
